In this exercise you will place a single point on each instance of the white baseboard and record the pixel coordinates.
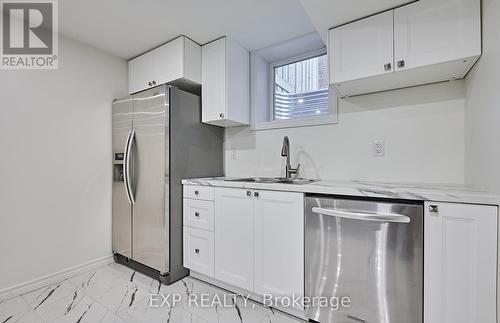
(52, 278)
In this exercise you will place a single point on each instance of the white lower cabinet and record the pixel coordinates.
(279, 243)
(254, 240)
(198, 220)
(259, 240)
(460, 271)
(199, 214)
(199, 250)
(234, 237)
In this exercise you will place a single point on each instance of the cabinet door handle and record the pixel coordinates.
(388, 66)
(149, 83)
(433, 208)
(154, 82)
(401, 63)
(197, 250)
(256, 194)
(249, 193)
(221, 115)
(197, 214)
(196, 193)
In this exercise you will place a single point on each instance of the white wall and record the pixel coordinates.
(423, 129)
(55, 163)
(482, 144)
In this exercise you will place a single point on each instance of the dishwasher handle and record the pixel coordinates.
(377, 217)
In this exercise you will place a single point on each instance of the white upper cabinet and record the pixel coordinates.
(140, 73)
(424, 42)
(362, 49)
(279, 243)
(213, 79)
(234, 237)
(225, 82)
(460, 267)
(177, 62)
(433, 32)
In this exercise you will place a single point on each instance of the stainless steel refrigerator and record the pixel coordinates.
(158, 139)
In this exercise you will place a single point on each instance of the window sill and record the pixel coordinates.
(292, 123)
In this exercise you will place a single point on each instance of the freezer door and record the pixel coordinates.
(150, 153)
(122, 211)
(370, 252)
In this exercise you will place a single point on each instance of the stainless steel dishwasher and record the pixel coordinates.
(368, 251)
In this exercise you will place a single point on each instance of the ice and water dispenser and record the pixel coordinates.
(118, 167)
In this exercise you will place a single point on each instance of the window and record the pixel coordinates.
(289, 88)
(300, 87)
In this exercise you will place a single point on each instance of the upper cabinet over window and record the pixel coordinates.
(177, 62)
(420, 43)
(225, 82)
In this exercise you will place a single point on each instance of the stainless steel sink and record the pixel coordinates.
(289, 171)
(271, 180)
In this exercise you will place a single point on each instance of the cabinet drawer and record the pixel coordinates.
(199, 214)
(199, 251)
(199, 192)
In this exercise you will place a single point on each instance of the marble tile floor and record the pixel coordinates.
(114, 293)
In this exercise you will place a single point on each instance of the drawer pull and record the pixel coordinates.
(197, 250)
(196, 214)
(249, 193)
(196, 193)
(433, 208)
(256, 194)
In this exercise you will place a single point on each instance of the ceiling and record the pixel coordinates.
(127, 28)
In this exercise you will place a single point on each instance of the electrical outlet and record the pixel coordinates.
(379, 148)
(233, 154)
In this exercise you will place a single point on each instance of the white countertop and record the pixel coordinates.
(421, 192)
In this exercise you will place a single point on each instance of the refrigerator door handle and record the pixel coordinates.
(127, 177)
(377, 217)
